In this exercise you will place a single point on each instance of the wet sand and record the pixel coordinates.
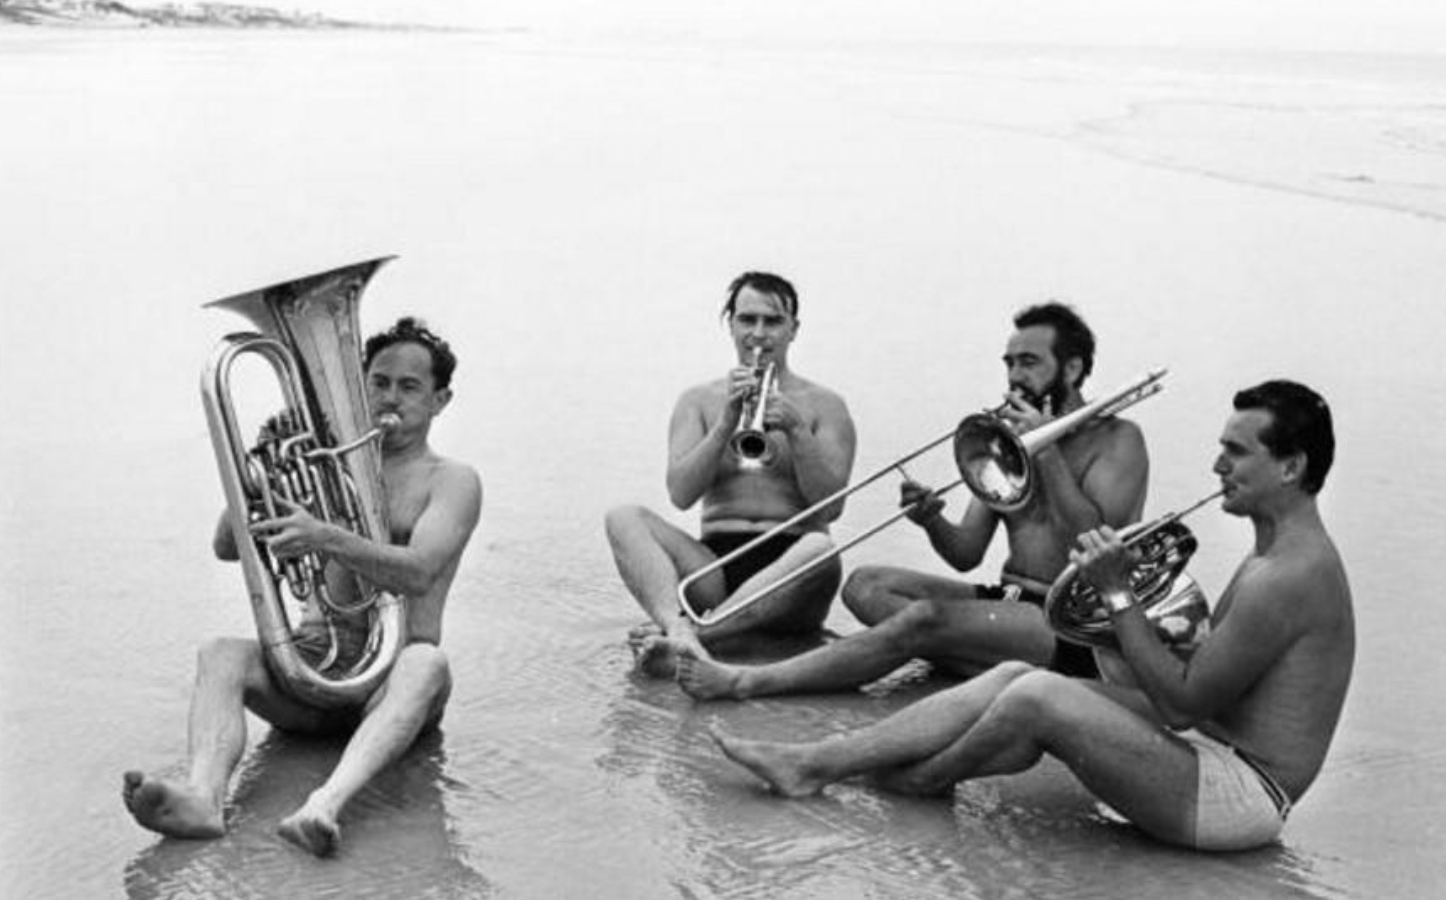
(559, 205)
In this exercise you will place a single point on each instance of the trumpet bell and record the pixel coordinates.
(1173, 601)
(993, 462)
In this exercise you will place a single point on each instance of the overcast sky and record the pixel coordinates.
(1390, 25)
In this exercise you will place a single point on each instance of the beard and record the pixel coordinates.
(1056, 392)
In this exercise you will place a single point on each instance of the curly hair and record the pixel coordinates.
(411, 330)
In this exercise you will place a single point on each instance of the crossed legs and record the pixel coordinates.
(911, 615)
(653, 557)
(230, 677)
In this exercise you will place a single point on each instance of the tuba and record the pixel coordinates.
(1172, 601)
(322, 452)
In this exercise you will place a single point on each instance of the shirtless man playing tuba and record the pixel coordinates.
(433, 505)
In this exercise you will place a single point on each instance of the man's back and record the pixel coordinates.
(1295, 594)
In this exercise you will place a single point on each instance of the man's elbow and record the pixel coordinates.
(223, 545)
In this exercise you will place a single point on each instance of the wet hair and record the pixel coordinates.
(1300, 422)
(411, 330)
(1072, 337)
(764, 283)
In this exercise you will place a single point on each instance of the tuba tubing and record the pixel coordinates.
(309, 337)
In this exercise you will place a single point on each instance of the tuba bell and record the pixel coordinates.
(1172, 601)
(322, 452)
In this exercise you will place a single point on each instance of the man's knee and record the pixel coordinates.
(1035, 696)
(228, 656)
(422, 668)
(864, 588)
(619, 520)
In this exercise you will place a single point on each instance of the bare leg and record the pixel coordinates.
(799, 606)
(962, 635)
(1124, 758)
(909, 736)
(412, 698)
(650, 554)
(228, 671)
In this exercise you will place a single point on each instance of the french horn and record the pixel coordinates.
(322, 452)
(1172, 601)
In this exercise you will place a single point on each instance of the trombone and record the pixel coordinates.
(994, 462)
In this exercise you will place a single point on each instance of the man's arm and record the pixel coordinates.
(962, 546)
(1112, 489)
(223, 542)
(1256, 632)
(823, 454)
(694, 449)
(438, 537)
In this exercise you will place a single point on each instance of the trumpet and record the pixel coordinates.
(994, 463)
(1172, 600)
(749, 442)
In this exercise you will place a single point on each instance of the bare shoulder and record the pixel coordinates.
(701, 396)
(454, 479)
(825, 400)
(1304, 581)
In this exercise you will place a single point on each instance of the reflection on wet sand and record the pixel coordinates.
(399, 838)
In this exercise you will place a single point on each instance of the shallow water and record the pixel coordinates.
(567, 213)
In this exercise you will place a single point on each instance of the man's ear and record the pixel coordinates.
(1073, 367)
(440, 400)
(1293, 468)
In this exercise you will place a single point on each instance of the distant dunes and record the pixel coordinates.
(110, 14)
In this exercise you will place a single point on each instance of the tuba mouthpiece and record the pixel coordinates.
(389, 422)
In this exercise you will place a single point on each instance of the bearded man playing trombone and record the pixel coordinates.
(802, 452)
(1095, 475)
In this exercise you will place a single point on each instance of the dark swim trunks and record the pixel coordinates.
(1069, 658)
(313, 641)
(751, 563)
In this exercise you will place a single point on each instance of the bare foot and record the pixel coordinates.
(311, 829)
(781, 765)
(657, 656)
(708, 679)
(170, 808)
(655, 653)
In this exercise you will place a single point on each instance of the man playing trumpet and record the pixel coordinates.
(1095, 475)
(433, 505)
(806, 453)
(1209, 751)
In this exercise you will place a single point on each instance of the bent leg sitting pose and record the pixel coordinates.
(433, 505)
(1209, 752)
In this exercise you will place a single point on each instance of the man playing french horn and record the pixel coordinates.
(756, 448)
(432, 506)
(1095, 475)
(1207, 749)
